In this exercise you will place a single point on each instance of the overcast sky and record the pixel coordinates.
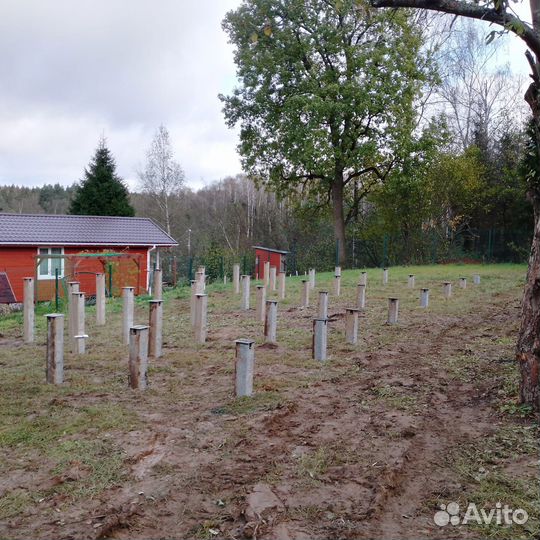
(74, 70)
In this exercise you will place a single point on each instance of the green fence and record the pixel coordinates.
(429, 246)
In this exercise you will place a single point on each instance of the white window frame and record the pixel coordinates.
(50, 275)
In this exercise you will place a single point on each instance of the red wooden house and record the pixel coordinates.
(276, 257)
(76, 248)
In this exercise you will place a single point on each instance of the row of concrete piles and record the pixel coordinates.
(146, 341)
(320, 324)
(266, 311)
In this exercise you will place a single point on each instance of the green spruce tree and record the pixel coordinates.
(102, 192)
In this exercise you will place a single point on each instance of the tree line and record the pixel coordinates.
(448, 199)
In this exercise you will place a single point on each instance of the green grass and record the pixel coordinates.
(315, 465)
(101, 463)
(395, 398)
(481, 467)
(14, 503)
(60, 421)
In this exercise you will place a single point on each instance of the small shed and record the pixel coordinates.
(276, 257)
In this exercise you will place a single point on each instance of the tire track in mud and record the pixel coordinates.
(409, 484)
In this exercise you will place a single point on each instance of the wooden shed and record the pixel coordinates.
(276, 257)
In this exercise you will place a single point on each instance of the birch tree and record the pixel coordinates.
(163, 178)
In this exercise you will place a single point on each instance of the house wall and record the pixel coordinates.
(20, 262)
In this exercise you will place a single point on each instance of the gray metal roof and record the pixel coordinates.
(271, 249)
(51, 229)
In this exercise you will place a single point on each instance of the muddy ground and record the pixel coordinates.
(366, 445)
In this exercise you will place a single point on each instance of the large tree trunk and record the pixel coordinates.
(339, 216)
(528, 345)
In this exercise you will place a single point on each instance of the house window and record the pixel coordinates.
(49, 265)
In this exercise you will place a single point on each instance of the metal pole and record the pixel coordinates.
(393, 307)
(56, 289)
(110, 280)
(54, 372)
(323, 305)
(138, 357)
(155, 329)
(28, 310)
(270, 321)
(244, 367)
(190, 269)
(319, 344)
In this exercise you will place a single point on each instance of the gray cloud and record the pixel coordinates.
(74, 70)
